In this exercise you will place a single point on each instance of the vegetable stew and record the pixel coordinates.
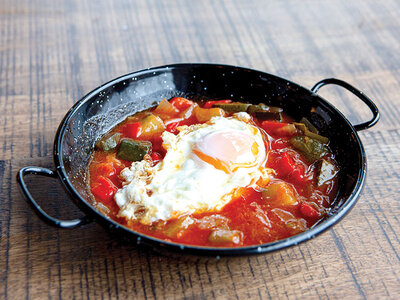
(298, 180)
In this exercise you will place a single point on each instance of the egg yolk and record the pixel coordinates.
(228, 150)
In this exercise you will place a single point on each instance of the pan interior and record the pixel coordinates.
(108, 105)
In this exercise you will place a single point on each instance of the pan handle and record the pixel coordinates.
(359, 94)
(36, 207)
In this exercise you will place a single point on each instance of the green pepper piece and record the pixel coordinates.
(300, 126)
(303, 128)
(325, 171)
(265, 112)
(310, 147)
(133, 150)
(267, 115)
(310, 126)
(109, 143)
(252, 109)
(317, 137)
(233, 107)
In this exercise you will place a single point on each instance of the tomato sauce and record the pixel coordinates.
(293, 200)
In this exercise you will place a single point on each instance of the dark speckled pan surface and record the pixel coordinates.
(103, 108)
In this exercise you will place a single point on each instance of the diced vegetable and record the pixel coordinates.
(176, 228)
(269, 126)
(310, 147)
(279, 144)
(156, 144)
(166, 109)
(213, 222)
(210, 104)
(205, 114)
(304, 129)
(267, 115)
(280, 193)
(156, 157)
(233, 107)
(309, 211)
(188, 112)
(132, 130)
(181, 103)
(264, 112)
(325, 171)
(287, 130)
(225, 236)
(310, 126)
(261, 111)
(151, 125)
(288, 168)
(171, 127)
(286, 165)
(279, 129)
(295, 224)
(263, 181)
(133, 150)
(109, 142)
(298, 175)
(104, 189)
(317, 137)
(252, 109)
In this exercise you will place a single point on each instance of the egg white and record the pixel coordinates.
(183, 183)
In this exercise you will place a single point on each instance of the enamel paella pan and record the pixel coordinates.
(103, 108)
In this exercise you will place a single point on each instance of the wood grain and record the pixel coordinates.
(54, 52)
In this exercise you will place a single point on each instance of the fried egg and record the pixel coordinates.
(204, 168)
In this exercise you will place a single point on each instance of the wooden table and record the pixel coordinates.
(54, 52)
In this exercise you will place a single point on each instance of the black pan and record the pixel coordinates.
(109, 104)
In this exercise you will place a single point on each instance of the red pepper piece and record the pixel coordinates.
(272, 125)
(156, 157)
(210, 104)
(181, 103)
(157, 142)
(171, 127)
(104, 190)
(309, 211)
(298, 175)
(286, 165)
(132, 130)
(280, 144)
